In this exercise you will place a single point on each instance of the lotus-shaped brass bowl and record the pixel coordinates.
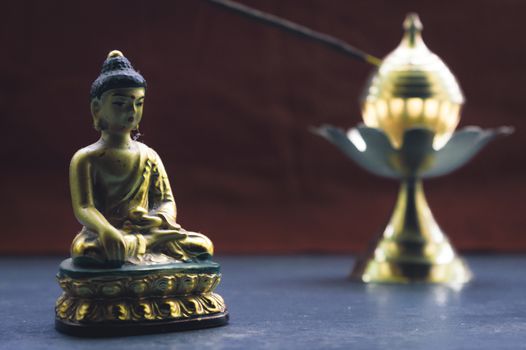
(412, 248)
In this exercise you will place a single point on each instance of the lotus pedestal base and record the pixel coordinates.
(138, 299)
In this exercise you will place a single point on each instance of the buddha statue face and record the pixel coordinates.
(119, 110)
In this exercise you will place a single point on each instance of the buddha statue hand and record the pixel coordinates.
(142, 224)
(162, 236)
(114, 245)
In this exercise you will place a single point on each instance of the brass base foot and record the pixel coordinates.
(371, 271)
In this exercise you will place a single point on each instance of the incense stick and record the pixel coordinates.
(302, 31)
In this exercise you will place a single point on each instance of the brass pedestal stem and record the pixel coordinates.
(412, 248)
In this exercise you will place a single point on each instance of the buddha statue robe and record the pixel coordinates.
(125, 204)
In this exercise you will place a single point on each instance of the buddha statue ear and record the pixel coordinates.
(95, 106)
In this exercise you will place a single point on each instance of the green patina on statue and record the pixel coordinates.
(119, 187)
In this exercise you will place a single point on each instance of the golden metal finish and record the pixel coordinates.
(148, 297)
(412, 247)
(133, 268)
(411, 108)
(413, 88)
(78, 310)
(119, 188)
(125, 286)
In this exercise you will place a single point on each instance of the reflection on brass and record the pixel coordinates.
(413, 88)
(411, 109)
(140, 268)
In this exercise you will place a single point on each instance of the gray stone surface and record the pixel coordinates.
(298, 302)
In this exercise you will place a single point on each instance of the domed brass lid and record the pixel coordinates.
(413, 88)
(412, 70)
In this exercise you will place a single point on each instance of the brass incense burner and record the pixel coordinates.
(411, 108)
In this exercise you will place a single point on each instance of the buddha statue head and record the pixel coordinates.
(117, 95)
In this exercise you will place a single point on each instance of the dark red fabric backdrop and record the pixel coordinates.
(229, 106)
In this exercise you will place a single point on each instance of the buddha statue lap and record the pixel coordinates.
(130, 251)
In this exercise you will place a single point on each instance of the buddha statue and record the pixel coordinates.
(132, 269)
(120, 190)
